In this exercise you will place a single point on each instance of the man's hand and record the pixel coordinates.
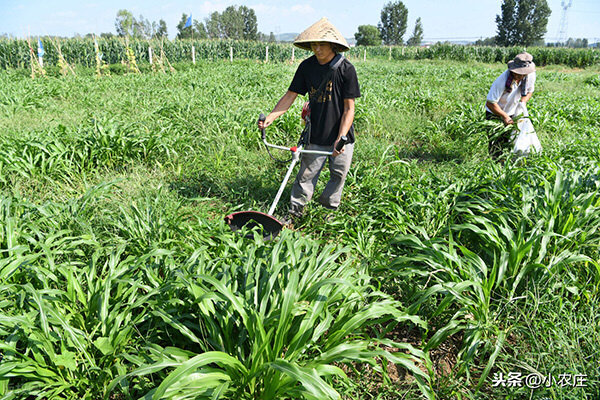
(335, 152)
(263, 124)
(281, 107)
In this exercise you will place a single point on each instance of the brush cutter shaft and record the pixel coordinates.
(295, 159)
(296, 151)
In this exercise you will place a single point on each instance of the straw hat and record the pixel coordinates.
(522, 64)
(321, 31)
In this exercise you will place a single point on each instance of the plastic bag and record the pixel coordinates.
(525, 139)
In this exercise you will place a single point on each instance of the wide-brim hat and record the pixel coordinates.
(522, 64)
(321, 31)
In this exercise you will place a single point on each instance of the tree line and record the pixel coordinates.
(390, 29)
(519, 23)
(237, 23)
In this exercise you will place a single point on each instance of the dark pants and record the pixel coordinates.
(496, 145)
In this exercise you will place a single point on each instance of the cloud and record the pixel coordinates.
(64, 14)
(303, 9)
(211, 6)
(277, 12)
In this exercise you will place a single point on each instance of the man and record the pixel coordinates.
(331, 113)
(515, 85)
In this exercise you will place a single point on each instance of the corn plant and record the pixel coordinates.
(505, 236)
(271, 322)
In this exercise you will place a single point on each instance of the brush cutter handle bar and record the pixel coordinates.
(276, 146)
(321, 153)
(302, 150)
(299, 150)
(262, 118)
(340, 145)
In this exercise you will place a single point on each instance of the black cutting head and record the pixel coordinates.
(270, 226)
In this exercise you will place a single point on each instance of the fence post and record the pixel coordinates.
(150, 54)
(230, 53)
(293, 49)
(193, 54)
(365, 55)
(267, 54)
(390, 57)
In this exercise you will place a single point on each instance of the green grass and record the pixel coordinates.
(119, 278)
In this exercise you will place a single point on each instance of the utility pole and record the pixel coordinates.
(562, 34)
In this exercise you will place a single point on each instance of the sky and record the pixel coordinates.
(442, 20)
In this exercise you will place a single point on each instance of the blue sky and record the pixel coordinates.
(456, 19)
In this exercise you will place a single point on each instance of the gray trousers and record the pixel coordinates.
(311, 166)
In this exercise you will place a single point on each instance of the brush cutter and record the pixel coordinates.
(271, 226)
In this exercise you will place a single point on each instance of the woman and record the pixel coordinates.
(515, 85)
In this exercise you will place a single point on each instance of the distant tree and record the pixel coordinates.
(367, 35)
(578, 43)
(393, 22)
(142, 28)
(506, 23)
(127, 25)
(490, 41)
(232, 23)
(124, 23)
(522, 22)
(107, 35)
(250, 24)
(213, 25)
(160, 29)
(417, 36)
(200, 30)
(272, 37)
(183, 32)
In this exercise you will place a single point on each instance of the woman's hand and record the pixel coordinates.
(507, 120)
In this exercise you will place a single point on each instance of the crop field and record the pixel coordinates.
(442, 273)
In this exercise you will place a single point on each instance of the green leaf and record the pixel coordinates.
(192, 365)
(67, 360)
(103, 344)
(309, 378)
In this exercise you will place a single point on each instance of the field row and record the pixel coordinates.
(16, 53)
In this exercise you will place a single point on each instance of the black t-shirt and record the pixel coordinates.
(326, 112)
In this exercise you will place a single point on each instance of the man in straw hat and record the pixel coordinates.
(332, 85)
(515, 85)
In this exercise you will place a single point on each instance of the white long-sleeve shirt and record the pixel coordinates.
(508, 101)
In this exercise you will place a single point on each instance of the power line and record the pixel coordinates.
(585, 12)
(455, 38)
